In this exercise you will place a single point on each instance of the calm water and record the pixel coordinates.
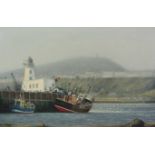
(101, 114)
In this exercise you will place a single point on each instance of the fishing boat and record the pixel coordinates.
(63, 106)
(71, 103)
(22, 106)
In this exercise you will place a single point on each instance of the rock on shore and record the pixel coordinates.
(134, 123)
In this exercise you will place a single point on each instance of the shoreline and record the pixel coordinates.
(123, 101)
(134, 123)
(113, 102)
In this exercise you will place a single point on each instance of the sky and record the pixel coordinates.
(133, 48)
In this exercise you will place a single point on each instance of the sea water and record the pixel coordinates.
(100, 115)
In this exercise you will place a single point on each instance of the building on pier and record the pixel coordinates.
(31, 84)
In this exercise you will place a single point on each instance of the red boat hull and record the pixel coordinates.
(62, 109)
(62, 106)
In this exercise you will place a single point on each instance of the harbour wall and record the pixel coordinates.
(42, 100)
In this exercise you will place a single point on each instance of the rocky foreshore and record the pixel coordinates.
(133, 123)
(22, 125)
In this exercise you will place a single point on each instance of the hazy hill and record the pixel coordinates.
(80, 66)
(74, 66)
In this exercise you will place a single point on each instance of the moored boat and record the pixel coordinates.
(71, 103)
(22, 106)
(63, 106)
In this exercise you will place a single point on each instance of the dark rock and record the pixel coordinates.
(137, 123)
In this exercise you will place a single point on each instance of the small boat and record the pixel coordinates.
(71, 103)
(22, 106)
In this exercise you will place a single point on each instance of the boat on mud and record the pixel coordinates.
(22, 106)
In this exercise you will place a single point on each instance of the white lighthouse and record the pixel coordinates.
(31, 84)
(29, 70)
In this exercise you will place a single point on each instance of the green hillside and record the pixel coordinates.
(112, 87)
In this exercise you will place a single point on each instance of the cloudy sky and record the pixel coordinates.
(133, 48)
